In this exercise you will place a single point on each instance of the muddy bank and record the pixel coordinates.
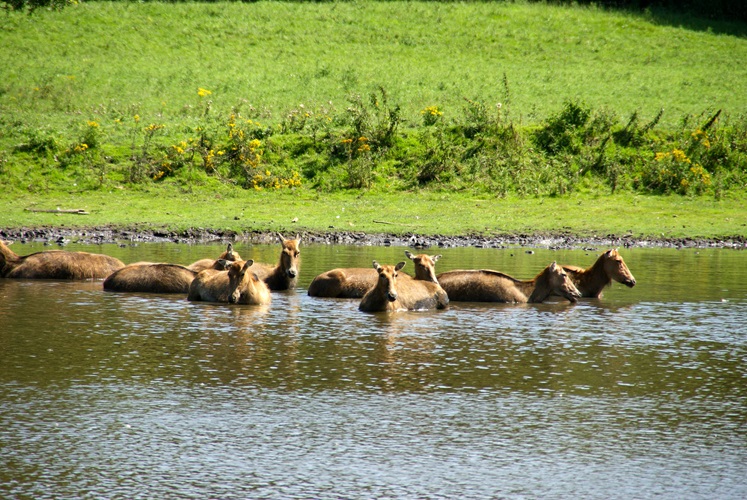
(126, 236)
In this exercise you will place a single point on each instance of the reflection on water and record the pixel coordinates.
(640, 394)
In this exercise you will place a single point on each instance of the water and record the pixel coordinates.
(640, 394)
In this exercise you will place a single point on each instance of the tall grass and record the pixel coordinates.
(333, 95)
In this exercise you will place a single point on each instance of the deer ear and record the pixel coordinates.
(229, 248)
(409, 255)
(376, 265)
(436, 257)
(223, 263)
(399, 266)
(554, 265)
(247, 264)
(280, 237)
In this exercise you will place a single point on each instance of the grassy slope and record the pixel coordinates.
(107, 60)
(150, 58)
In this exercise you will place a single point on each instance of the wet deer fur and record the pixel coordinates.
(354, 282)
(202, 264)
(592, 281)
(236, 285)
(155, 277)
(492, 286)
(56, 264)
(283, 275)
(393, 294)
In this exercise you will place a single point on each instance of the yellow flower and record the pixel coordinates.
(93, 124)
(680, 156)
(432, 110)
(203, 92)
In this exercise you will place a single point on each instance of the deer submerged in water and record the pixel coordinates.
(485, 285)
(393, 294)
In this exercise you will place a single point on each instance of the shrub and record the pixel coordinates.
(563, 133)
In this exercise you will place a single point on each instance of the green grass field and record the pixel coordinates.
(114, 105)
(100, 59)
(427, 213)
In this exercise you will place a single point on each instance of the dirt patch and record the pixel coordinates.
(122, 235)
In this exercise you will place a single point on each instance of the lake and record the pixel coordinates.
(639, 394)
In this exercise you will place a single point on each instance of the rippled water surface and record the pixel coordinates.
(640, 394)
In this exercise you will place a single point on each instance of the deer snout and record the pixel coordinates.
(292, 273)
(630, 283)
(572, 294)
(391, 297)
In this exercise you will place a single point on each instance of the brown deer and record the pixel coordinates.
(202, 264)
(56, 265)
(593, 280)
(392, 294)
(155, 278)
(491, 286)
(284, 275)
(354, 282)
(237, 285)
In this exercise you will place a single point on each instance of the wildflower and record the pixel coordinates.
(93, 124)
(432, 111)
(680, 156)
(203, 92)
(137, 118)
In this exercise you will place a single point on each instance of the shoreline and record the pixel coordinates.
(96, 235)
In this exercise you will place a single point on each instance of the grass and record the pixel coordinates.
(122, 58)
(168, 208)
(95, 99)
